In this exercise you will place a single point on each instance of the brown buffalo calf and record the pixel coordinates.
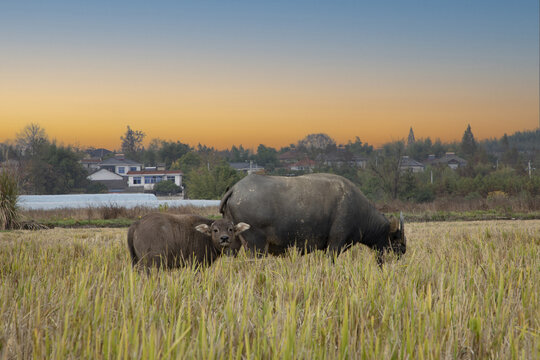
(166, 240)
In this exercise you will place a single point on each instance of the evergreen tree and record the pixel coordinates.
(172, 151)
(238, 154)
(266, 156)
(468, 144)
(511, 157)
(410, 139)
(56, 170)
(420, 149)
(132, 142)
(505, 142)
(187, 162)
(150, 154)
(359, 148)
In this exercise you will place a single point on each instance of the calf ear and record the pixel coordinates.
(240, 227)
(394, 225)
(205, 229)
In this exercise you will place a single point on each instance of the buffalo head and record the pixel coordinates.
(396, 236)
(224, 233)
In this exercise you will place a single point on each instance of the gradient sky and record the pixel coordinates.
(249, 72)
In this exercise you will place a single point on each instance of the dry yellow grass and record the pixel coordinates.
(463, 290)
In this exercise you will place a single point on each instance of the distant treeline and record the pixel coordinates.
(497, 167)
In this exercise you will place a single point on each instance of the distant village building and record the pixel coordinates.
(111, 172)
(91, 164)
(146, 179)
(303, 165)
(98, 153)
(104, 174)
(409, 164)
(120, 174)
(290, 157)
(93, 159)
(112, 181)
(249, 167)
(120, 165)
(449, 159)
(342, 157)
(360, 161)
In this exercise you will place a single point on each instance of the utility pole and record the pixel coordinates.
(529, 169)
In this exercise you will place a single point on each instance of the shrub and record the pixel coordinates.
(424, 194)
(112, 211)
(166, 187)
(203, 183)
(9, 194)
(497, 195)
(96, 188)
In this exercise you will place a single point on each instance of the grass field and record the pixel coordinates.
(464, 290)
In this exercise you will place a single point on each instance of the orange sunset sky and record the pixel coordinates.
(247, 73)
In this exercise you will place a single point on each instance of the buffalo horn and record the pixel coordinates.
(401, 226)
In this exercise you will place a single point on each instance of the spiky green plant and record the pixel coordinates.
(9, 193)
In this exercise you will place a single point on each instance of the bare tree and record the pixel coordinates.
(30, 139)
(387, 167)
(317, 142)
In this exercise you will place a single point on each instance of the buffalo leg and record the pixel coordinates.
(338, 241)
(255, 241)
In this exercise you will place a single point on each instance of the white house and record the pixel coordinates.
(103, 174)
(113, 182)
(112, 172)
(148, 178)
(120, 165)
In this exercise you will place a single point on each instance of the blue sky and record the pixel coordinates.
(430, 54)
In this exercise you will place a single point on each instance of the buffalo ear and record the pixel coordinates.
(205, 229)
(240, 227)
(394, 225)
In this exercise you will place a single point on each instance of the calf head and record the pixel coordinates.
(396, 236)
(224, 233)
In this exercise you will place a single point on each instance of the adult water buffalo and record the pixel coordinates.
(167, 240)
(316, 211)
